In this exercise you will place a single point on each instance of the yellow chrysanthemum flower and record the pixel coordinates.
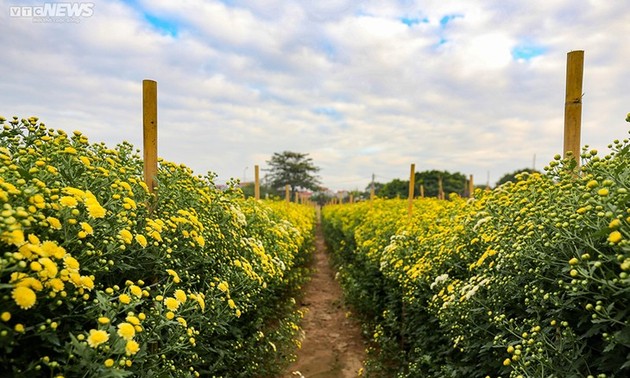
(97, 337)
(132, 347)
(171, 303)
(124, 299)
(223, 286)
(180, 295)
(174, 275)
(87, 228)
(141, 240)
(68, 201)
(126, 236)
(126, 331)
(136, 290)
(54, 223)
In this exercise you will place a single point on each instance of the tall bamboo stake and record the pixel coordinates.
(573, 104)
(149, 129)
(256, 182)
(471, 187)
(412, 184)
(287, 196)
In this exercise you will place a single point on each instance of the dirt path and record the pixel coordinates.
(332, 346)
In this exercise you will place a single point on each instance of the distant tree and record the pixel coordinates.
(451, 183)
(512, 176)
(294, 169)
(394, 188)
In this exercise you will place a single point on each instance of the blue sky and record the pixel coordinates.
(364, 87)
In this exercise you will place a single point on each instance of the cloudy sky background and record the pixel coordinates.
(364, 87)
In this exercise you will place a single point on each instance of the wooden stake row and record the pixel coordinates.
(571, 142)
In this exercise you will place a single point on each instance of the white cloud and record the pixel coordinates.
(347, 81)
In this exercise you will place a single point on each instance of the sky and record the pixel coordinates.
(363, 87)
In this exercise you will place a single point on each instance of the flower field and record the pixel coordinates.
(101, 278)
(527, 280)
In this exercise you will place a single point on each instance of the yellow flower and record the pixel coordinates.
(132, 347)
(174, 274)
(97, 337)
(231, 304)
(30, 282)
(126, 331)
(615, 237)
(55, 284)
(87, 283)
(223, 286)
(129, 203)
(180, 295)
(70, 150)
(71, 263)
(85, 160)
(202, 302)
(95, 210)
(19, 328)
(136, 290)
(133, 320)
(35, 266)
(15, 237)
(87, 228)
(109, 362)
(103, 320)
(126, 236)
(171, 303)
(50, 268)
(6, 316)
(182, 321)
(124, 299)
(141, 240)
(68, 201)
(50, 248)
(170, 315)
(54, 223)
(24, 297)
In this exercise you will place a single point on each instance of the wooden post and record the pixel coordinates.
(573, 104)
(256, 182)
(412, 184)
(422, 190)
(297, 198)
(149, 130)
(351, 198)
(372, 189)
(471, 187)
(287, 195)
(440, 189)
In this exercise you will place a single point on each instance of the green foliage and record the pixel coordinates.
(101, 278)
(528, 280)
(451, 183)
(512, 176)
(294, 169)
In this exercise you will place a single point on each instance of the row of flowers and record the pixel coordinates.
(101, 278)
(527, 280)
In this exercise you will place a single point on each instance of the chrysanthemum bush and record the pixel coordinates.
(98, 277)
(527, 280)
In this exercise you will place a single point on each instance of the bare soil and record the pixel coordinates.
(332, 346)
